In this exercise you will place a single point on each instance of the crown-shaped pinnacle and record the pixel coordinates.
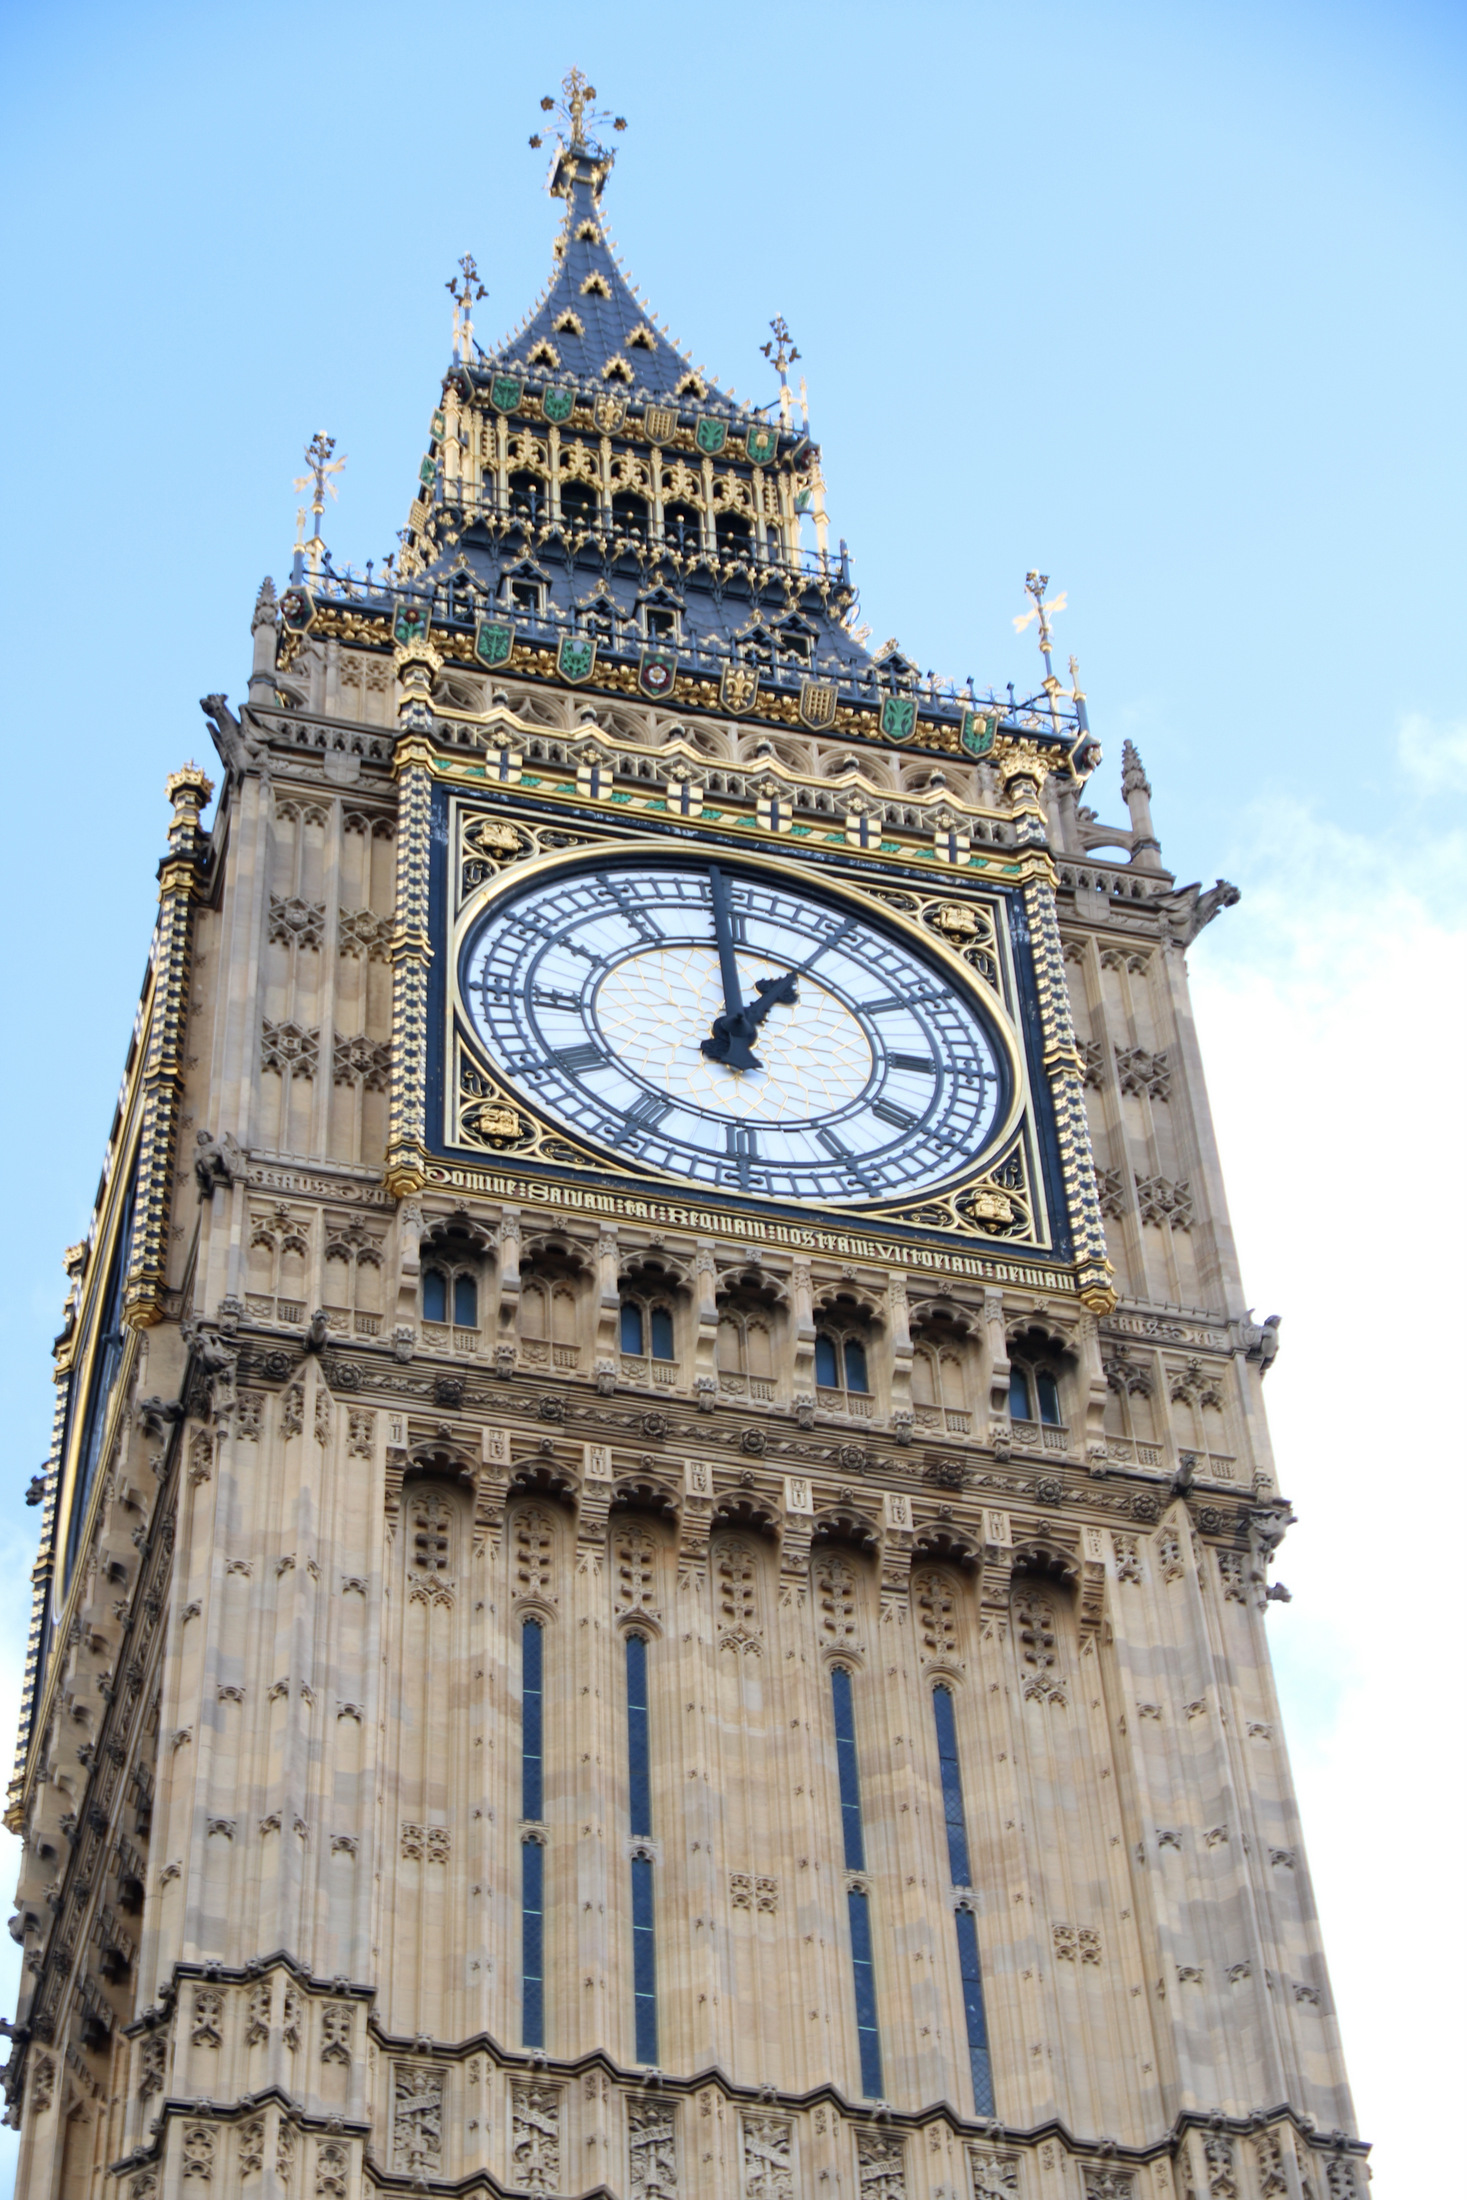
(574, 112)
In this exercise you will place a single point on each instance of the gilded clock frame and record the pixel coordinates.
(474, 1092)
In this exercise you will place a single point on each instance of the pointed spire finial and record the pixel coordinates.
(320, 467)
(1035, 584)
(574, 110)
(782, 352)
(465, 291)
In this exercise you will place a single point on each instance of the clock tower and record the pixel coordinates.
(655, 1558)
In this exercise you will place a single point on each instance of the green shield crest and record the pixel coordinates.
(494, 642)
(898, 717)
(438, 423)
(427, 471)
(576, 657)
(505, 392)
(978, 730)
(711, 435)
(760, 444)
(410, 622)
(558, 405)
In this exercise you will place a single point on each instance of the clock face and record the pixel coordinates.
(730, 1028)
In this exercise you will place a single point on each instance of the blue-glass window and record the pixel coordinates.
(631, 1327)
(466, 1302)
(868, 2037)
(532, 1942)
(1019, 1406)
(849, 1769)
(644, 1935)
(661, 1333)
(855, 1359)
(952, 1786)
(1049, 1400)
(644, 1959)
(979, 2060)
(532, 1701)
(435, 1295)
(638, 1737)
(827, 1367)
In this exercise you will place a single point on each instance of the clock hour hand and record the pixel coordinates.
(728, 1042)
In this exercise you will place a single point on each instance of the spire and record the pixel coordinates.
(589, 324)
(1136, 787)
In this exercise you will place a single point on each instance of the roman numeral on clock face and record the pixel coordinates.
(577, 1057)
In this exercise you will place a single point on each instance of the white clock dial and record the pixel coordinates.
(724, 1026)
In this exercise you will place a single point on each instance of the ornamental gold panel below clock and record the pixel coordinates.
(729, 1025)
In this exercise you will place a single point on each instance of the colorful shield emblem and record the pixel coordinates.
(657, 672)
(576, 657)
(817, 703)
(898, 717)
(505, 392)
(493, 642)
(558, 405)
(761, 443)
(610, 413)
(296, 610)
(427, 471)
(660, 421)
(437, 424)
(978, 730)
(410, 622)
(738, 687)
(711, 435)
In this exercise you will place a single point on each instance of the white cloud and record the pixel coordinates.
(1330, 1011)
(1434, 755)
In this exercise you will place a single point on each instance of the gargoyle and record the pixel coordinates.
(1187, 909)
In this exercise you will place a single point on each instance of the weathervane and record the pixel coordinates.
(464, 293)
(573, 110)
(1036, 583)
(321, 466)
(783, 352)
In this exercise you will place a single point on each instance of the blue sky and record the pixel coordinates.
(1165, 301)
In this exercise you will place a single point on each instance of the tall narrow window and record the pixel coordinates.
(532, 1853)
(435, 1295)
(644, 1933)
(858, 1902)
(465, 1302)
(1019, 1406)
(969, 1967)
(952, 1786)
(661, 1334)
(631, 1328)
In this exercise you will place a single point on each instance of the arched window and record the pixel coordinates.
(579, 503)
(840, 1363)
(1034, 1381)
(735, 535)
(435, 1295)
(662, 1333)
(632, 1327)
(465, 1302)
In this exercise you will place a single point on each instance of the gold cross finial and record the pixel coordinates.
(320, 467)
(464, 291)
(574, 110)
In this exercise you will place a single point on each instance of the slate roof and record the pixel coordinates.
(590, 284)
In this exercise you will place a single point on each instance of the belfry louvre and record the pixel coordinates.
(655, 1557)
